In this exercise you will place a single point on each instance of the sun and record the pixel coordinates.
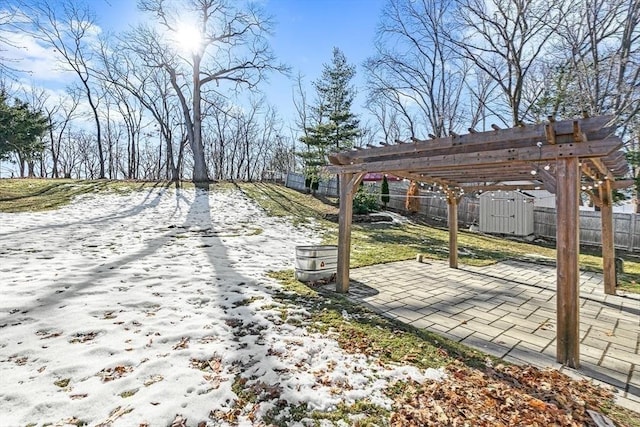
(188, 38)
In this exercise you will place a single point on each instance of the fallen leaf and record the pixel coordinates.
(184, 343)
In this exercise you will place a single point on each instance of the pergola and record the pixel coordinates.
(563, 157)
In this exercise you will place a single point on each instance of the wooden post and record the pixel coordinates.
(608, 247)
(452, 204)
(348, 182)
(568, 273)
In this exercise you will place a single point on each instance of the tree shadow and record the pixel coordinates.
(148, 202)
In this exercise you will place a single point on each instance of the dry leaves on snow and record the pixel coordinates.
(500, 396)
(184, 343)
(110, 374)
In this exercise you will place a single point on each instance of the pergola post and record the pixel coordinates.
(452, 204)
(608, 247)
(348, 182)
(568, 273)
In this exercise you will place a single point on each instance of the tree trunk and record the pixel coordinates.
(96, 116)
(199, 162)
(54, 152)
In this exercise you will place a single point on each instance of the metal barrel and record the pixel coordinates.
(316, 262)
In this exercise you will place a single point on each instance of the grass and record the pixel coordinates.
(31, 195)
(367, 333)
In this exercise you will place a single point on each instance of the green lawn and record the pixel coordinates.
(29, 195)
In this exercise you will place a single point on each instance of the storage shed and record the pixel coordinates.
(506, 212)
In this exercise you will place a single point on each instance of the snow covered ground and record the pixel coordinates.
(132, 309)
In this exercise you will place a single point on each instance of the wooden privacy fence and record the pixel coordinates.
(435, 207)
(626, 228)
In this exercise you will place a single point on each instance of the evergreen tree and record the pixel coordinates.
(337, 126)
(384, 190)
(21, 131)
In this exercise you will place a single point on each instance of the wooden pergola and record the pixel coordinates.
(563, 157)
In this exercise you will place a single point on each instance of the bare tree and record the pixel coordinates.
(303, 115)
(219, 131)
(10, 21)
(415, 69)
(112, 135)
(506, 39)
(131, 115)
(481, 89)
(68, 155)
(600, 72)
(85, 144)
(70, 28)
(269, 130)
(597, 66)
(230, 46)
(388, 121)
(60, 115)
(126, 72)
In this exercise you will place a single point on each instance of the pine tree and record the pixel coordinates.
(21, 131)
(337, 126)
(384, 190)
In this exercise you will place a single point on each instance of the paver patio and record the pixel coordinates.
(509, 310)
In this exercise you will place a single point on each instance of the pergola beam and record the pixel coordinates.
(494, 157)
(548, 180)
(595, 128)
(622, 183)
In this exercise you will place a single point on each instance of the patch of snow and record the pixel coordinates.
(155, 303)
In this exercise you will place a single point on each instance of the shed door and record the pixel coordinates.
(502, 216)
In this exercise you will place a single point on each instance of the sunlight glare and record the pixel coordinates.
(188, 38)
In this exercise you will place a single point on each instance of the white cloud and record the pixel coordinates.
(32, 57)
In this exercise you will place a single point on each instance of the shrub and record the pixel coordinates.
(363, 202)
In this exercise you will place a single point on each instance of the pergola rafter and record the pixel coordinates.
(553, 155)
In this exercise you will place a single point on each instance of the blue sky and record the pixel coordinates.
(304, 35)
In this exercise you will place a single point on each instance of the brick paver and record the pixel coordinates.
(508, 310)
